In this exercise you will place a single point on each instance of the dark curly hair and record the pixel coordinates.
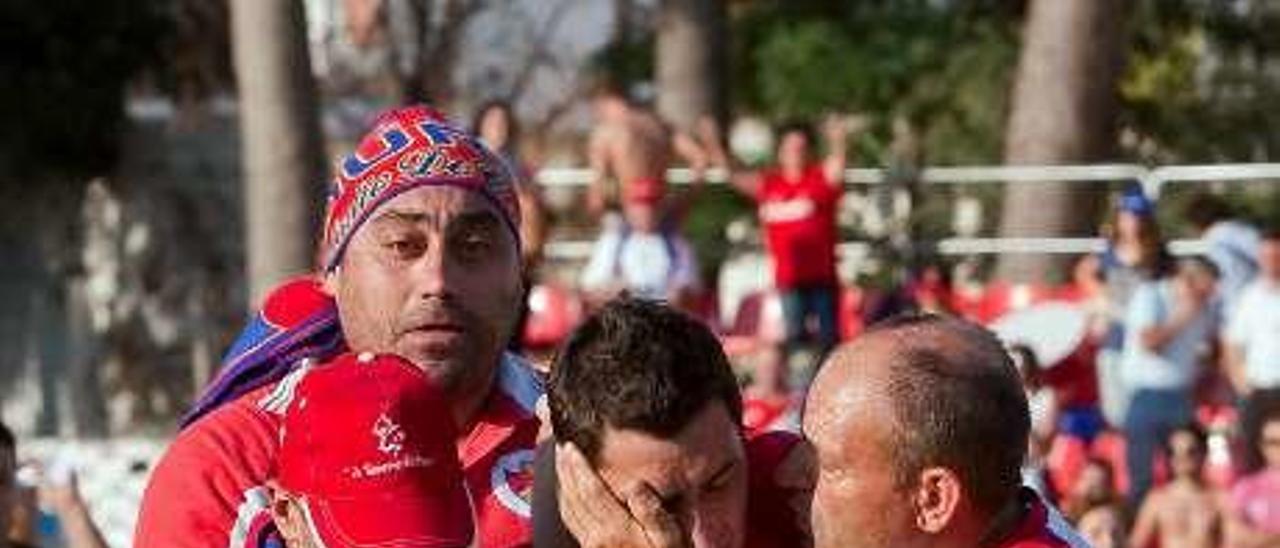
(638, 365)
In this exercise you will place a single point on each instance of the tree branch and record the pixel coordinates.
(539, 52)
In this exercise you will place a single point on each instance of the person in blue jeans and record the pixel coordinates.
(817, 302)
(1171, 326)
(797, 201)
(1135, 254)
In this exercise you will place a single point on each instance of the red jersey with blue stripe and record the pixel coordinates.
(1041, 527)
(208, 489)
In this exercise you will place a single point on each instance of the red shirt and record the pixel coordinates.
(799, 219)
(1042, 527)
(777, 512)
(208, 488)
(761, 415)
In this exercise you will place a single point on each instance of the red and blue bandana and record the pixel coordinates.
(407, 148)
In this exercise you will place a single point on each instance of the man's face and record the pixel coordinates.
(1102, 528)
(1270, 443)
(855, 500)
(700, 475)
(1094, 484)
(1129, 225)
(1186, 455)
(793, 150)
(432, 276)
(1269, 259)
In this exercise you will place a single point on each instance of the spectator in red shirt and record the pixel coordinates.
(920, 428)
(797, 202)
(1253, 505)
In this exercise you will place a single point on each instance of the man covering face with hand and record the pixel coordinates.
(647, 413)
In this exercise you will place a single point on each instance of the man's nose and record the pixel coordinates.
(430, 272)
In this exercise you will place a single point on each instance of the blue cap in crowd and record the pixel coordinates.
(1136, 202)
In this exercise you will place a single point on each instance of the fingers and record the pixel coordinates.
(569, 492)
(590, 510)
(543, 412)
(661, 528)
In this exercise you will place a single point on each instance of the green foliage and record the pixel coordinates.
(1201, 81)
(704, 226)
(942, 66)
(625, 62)
(808, 70)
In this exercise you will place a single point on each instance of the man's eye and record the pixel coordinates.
(718, 485)
(474, 246)
(403, 247)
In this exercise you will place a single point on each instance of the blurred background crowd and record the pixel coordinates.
(1091, 179)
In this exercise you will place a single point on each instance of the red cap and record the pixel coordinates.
(368, 443)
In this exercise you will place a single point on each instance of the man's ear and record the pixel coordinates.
(286, 515)
(936, 498)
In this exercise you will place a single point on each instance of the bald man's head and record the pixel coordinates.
(948, 394)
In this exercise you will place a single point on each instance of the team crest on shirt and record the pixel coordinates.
(512, 481)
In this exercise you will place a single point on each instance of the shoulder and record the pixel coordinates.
(1248, 487)
(233, 433)
(1158, 499)
(518, 381)
(770, 176)
(1147, 299)
(1152, 293)
(778, 488)
(201, 482)
(1043, 527)
(816, 172)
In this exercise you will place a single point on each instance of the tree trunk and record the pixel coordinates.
(691, 61)
(1063, 112)
(624, 16)
(281, 145)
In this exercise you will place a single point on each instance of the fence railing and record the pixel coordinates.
(1153, 180)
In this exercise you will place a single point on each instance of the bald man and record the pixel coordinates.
(920, 428)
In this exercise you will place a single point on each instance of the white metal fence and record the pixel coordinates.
(1154, 180)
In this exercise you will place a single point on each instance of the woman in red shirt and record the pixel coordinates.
(797, 201)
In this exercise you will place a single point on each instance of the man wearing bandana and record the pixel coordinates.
(421, 258)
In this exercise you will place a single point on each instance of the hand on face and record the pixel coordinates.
(597, 517)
